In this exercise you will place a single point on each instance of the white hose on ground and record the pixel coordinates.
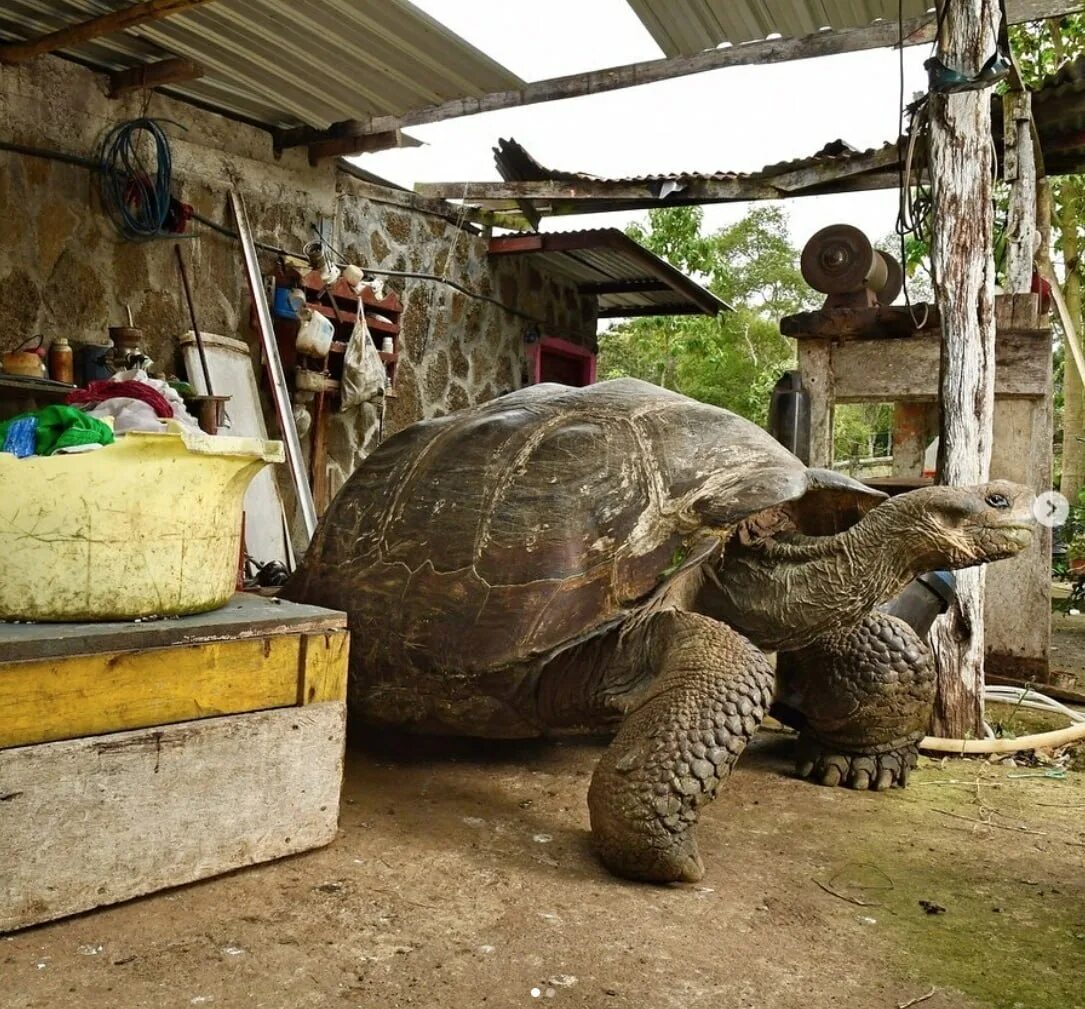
(1039, 741)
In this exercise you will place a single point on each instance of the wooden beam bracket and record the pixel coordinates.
(146, 76)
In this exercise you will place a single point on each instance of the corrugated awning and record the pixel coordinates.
(625, 277)
(284, 64)
(687, 26)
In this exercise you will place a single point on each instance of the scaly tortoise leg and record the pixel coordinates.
(677, 744)
(865, 696)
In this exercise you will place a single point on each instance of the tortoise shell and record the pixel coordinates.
(511, 530)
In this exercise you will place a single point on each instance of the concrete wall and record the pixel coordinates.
(65, 271)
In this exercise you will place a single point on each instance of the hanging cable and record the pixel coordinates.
(135, 192)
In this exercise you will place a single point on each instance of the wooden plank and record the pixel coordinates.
(89, 822)
(94, 28)
(87, 695)
(917, 31)
(881, 322)
(246, 615)
(816, 370)
(323, 668)
(883, 371)
(152, 75)
(594, 189)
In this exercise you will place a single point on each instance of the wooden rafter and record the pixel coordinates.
(104, 24)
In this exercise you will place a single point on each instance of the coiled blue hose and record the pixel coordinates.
(136, 195)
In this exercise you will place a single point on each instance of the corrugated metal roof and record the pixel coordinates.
(624, 276)
(283, 64)
(515, 164)
(1058, 107)
(688, 26)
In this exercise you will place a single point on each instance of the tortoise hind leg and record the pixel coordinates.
(865, 696)
(678, 742)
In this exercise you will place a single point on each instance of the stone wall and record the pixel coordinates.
(65, 271)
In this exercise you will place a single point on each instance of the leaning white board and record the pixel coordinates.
(232, 374)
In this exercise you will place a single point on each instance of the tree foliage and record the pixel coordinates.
(732, 360)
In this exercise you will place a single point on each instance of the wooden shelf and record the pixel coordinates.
(380, 326)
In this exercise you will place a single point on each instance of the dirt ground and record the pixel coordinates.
(1067, 643)
(463, 876)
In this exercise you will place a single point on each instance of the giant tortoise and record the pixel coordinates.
(621, 557)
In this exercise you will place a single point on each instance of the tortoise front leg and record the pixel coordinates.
(677, 744)
(865, 696)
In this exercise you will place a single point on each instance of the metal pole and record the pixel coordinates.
(279, 392)
(192, 316)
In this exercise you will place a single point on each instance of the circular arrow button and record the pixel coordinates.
(1051, 509)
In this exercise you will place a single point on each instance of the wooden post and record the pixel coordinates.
(815, 366)
(961, 169)
(1019, 172)
(912, 431)
(1018, 591)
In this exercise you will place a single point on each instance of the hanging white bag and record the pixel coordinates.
(364, 376)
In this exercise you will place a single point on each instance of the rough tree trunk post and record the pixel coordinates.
(1073, 405)
(963, 263)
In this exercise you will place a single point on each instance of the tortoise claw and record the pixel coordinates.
(860, 771)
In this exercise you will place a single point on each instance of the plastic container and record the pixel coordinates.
(147, 526)
(315, 334)
(789, 414)
(922, 600)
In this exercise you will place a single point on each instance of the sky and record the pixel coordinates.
(732, 119)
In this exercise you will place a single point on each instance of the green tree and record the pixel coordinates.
(732, 360)
(1040, 48)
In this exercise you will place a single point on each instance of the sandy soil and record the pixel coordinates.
(463, 876)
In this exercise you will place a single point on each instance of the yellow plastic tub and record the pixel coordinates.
(147, 526)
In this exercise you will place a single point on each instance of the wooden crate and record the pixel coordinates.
(135, 757)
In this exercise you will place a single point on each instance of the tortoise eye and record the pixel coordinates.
(997, 500)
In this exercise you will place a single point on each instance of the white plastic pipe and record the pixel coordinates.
(1038, 741)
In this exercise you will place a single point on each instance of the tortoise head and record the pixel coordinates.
(784, 590)
(958, 527)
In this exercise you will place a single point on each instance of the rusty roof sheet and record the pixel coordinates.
(625, 277)
(1058, 109)
(514, 163)
(281, 64)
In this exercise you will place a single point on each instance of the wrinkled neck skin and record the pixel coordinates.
(785, 592)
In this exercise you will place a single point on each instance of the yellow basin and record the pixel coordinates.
(147, 526)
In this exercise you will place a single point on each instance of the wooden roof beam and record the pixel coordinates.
(104, 24)
(332, 145)
(471, 192)
(917, 31)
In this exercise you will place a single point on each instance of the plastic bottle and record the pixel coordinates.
(61, 364)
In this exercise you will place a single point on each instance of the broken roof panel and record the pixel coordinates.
(625, 277)
(283, 64)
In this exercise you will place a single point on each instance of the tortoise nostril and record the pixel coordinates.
(997, 500)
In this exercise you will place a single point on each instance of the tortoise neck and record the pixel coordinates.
(788, 590)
